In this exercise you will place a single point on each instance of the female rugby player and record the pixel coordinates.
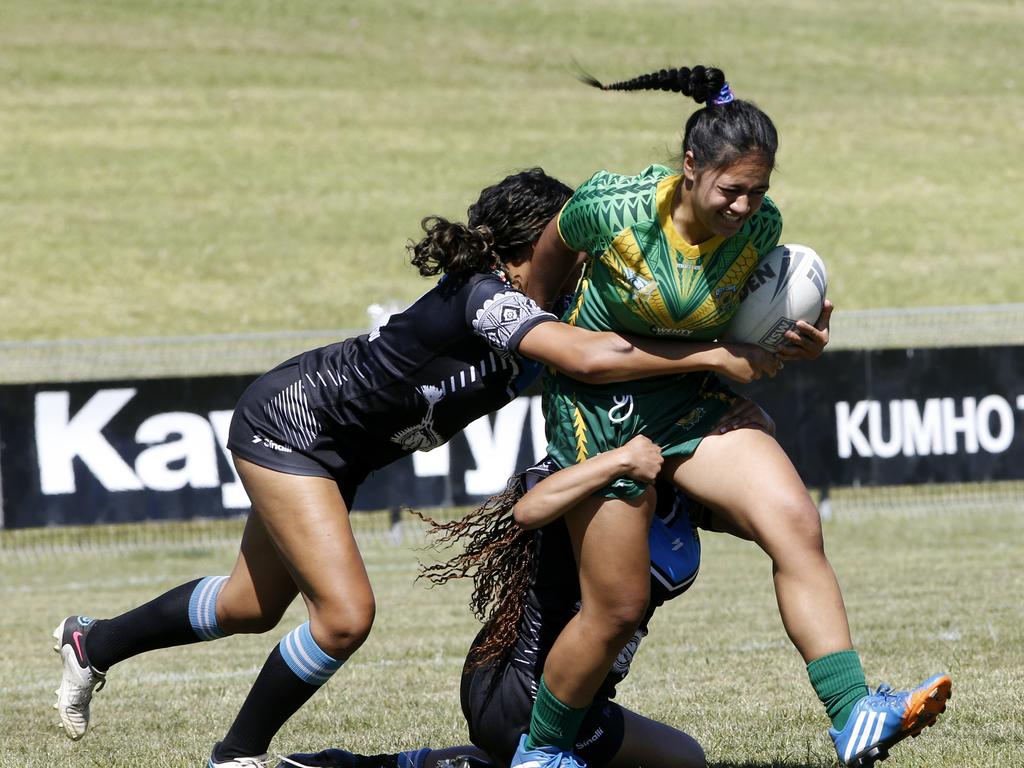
(669, 255)
(306, 434)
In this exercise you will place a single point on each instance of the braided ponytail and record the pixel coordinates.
(725, 129)
(701, 83)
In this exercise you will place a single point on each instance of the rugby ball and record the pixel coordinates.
(788, 284)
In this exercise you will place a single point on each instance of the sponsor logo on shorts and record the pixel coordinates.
(272, 444)
(597, 734)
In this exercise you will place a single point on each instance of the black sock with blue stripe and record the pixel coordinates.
(183, 615)
(293, 672)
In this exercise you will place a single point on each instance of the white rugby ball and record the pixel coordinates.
(788, 284)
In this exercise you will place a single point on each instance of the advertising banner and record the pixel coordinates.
(125, 451)
(901, 416)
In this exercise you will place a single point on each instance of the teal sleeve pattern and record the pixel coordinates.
(766, 227)
(605, 205)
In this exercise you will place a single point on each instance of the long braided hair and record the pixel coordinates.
(724, 129)
(499, 556)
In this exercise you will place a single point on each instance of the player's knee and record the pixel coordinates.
(617, 618)
(794, 531)
(804, 523)
(341, 631)
(627, 616)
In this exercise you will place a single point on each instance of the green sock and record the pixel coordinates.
(838, 679)
(553, 723)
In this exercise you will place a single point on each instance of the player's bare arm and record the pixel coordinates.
(599, 357)
(556, 494)
(553, 264)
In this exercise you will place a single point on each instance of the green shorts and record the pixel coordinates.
(675, 412)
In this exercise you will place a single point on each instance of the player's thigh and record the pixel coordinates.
(306, 519)
(610, 541)
(260, 587)
(651, 744)
(746, 477)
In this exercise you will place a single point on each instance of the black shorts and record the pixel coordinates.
(274, 427)
(497, 700)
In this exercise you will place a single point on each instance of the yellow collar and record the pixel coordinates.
(665, 195)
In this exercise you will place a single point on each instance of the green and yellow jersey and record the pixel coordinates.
(643, 278)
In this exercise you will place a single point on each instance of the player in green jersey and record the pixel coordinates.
(646, 278)
(667, 255)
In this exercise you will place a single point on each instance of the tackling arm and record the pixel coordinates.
(599, 357)
(559, 492)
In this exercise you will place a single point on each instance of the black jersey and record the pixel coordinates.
(554, 593)
(419, 379)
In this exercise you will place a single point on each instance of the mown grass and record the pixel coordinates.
(923, 594)
(198, 167)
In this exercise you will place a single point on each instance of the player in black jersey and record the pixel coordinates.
(307, 433)
(517, 549)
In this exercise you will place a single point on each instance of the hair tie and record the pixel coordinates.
(724, 96)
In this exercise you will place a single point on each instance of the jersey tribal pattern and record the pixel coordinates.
(643, 277)
(502, 317)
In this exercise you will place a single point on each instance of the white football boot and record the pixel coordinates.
(258, 761)
(79, 680)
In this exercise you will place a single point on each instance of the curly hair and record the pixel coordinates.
(719, 132)
(507, 216)
(499, 556)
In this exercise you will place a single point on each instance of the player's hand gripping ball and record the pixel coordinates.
(788, 285)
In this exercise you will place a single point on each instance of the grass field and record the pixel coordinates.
(924, 594)
(201, 167)
(253, 165)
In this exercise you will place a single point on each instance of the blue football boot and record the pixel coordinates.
(543, 757)
(886, 717)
